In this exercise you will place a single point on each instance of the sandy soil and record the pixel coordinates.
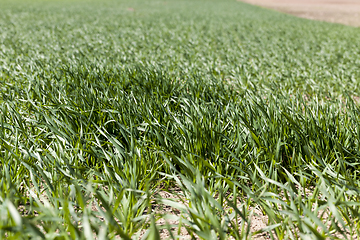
(338, 11)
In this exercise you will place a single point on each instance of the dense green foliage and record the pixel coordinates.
(106, 105)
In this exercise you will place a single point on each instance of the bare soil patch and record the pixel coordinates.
(338, 11)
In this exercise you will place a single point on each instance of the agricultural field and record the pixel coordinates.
(176, 119)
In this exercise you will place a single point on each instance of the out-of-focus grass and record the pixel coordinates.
(104, 104)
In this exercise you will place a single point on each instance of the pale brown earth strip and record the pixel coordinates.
(337, 11)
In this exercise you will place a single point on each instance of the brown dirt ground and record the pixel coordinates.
(338, 11)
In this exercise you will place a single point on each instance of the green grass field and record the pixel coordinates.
(108, 107)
